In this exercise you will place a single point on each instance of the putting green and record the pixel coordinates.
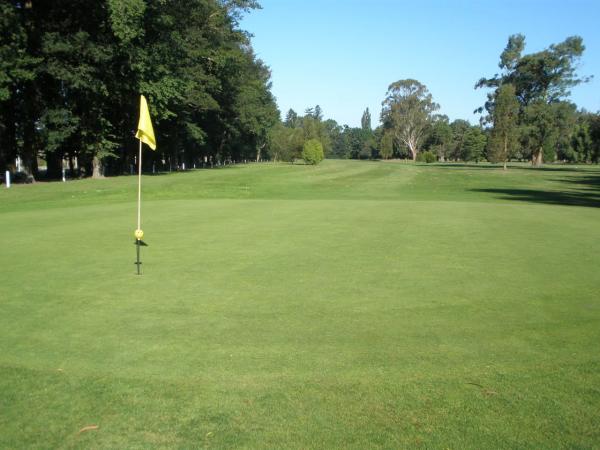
(356, 304)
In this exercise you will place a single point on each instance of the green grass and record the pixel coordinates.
(349, 305)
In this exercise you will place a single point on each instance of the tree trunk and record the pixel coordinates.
(29, 156)
(538, 158)
(29, 150)
(71, 166)
(8, 139)
(505, 151)
(221, 145)
(54, 165)
(97, 170)
(413, 152)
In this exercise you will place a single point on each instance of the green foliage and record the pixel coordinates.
(547, 74)
(594, 151)
(503, 138)
(126, 18)
(315, 128)
(292, 120)
(15, 64)
(474, 144)
(581, 142)
(312, 152)
(365, 120)
(18, 99)
(439, 137)
(459, 128)
(426, 157)
(541, 82)
(76, 83)
(386, 145)
(285, 144)
(358, 143)
(546, 127)
(456, 141)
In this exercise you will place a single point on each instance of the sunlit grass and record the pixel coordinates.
(348, 305)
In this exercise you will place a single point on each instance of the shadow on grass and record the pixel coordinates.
(590, 198)
(588, 182)
(563, 168)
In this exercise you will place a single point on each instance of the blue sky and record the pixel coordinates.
(343, 54)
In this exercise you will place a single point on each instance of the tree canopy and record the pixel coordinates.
(407, 110)
(542, 83)
(69, 82)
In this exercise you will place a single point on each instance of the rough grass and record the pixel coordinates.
(349, 305)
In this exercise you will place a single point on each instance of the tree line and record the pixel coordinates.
(71, 72)
(438, 139)
(527, 116)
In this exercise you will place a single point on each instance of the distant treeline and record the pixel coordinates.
(71, 72)
(441, 139)
(527, 116)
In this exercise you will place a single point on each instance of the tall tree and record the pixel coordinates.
(545, 127)
(459, 128)
(439, 137)
(504, 133)
(17, 68)
(365, 120)
(581, 141)
(318, 113)
(540, 80)
(594, 122)
(474, 144)
(333, 132)
(386, 145)
(285, 144)
(208, 92)
(407, 110)
(291, 119)
(315, 128)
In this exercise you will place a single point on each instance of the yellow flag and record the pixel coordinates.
(145, 132)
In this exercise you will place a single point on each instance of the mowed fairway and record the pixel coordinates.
(351, 305)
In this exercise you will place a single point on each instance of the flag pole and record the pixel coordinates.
(145, 133)
(139, 209)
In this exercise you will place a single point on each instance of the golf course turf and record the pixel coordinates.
(348, 305)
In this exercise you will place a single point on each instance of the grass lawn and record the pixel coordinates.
(352, 305)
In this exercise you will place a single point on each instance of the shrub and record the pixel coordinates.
(312, 152)
(427, 157)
